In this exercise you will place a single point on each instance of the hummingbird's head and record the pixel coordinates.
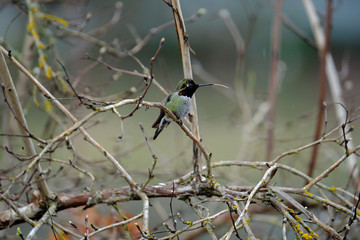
(187, 87)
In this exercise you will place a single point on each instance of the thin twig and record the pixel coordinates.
(352, 218)
(145, 213)
(274, 76)
(330, 169)
(114, 225)
(284, 228)
(148, 84)
(171, 210)
(154, 157)
(4, 198)
(50, 211)
(232, 219)
(192, 224)
(297, 150)
(87, 227)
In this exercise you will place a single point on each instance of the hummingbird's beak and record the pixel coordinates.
(205, 84)
(212, 84)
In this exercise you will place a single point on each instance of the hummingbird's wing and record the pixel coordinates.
(157, 121)
(162, 113)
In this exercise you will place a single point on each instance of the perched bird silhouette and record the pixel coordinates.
(178, 102)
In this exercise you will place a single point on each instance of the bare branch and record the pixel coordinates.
(18, 112)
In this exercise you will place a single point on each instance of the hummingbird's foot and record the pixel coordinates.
(179, 121)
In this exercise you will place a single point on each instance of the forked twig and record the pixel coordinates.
(148, 84)
(154, 157)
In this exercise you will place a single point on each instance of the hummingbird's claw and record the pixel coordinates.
(179, 121)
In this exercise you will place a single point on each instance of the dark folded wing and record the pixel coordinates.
(157, 122)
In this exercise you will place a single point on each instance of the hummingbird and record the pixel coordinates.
(178, 102)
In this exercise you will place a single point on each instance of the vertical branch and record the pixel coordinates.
(333, 80)
(183, 38)
(322, 90)
(185, 56)
(275, 53)
(15, 104)
(21, 83)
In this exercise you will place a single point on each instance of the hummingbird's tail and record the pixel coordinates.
(163, 123)
(157, 132)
